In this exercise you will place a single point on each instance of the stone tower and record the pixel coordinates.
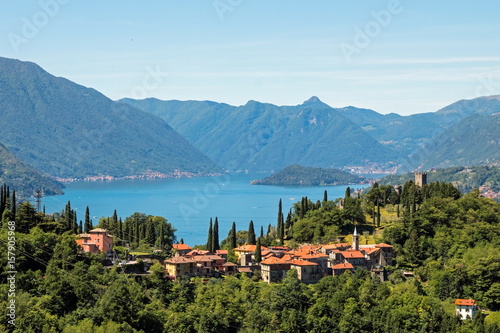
(420, 178)
(355, 240)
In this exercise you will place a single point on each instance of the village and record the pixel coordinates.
(311, 262)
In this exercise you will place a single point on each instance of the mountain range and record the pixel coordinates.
(70, 131)
(66, 130)
(265, 137)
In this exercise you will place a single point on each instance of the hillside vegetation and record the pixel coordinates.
(67, 130)
(464, 178)
(25, 178)
(307, 176)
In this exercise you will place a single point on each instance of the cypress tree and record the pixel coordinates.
(261, 231)
(251, 234)
(325, 196)
(120, 231)
(160, 237)
(2, 199)
(348, 192)
(269, 228)
(87, 224)
(13, 207)
(378, 215)
(281, 225)
(233, 236)
(215, 236)
(181, 241)
(114, 223)
(258, 252)
(150, 232)
(210, 237)
(281, 230)
(80, 227)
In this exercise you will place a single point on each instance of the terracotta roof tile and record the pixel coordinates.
(465, 302)
(297, 262)
(182, 247)
(273, 261)
(383, 245)
(179, 260)
(343, 266)
(352, 254)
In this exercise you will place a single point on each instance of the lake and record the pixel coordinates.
(189, 203)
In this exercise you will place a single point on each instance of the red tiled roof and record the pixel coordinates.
(352, 254)
(182, 247)
(218, 252)
(179, 260)
(227, 264)
(98, 230)
(287, 257)
(249, 248)
(314, 256)
(297, 262)
(369, 250)
(343, 266)
(465, 302)
(197, 253)
(273, 261)
(383, 245)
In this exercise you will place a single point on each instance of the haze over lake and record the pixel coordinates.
(189, 203)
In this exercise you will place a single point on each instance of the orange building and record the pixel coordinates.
(97, 240)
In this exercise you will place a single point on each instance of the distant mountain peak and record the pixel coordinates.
(313, 100)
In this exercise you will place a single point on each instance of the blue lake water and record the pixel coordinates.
(189, 203)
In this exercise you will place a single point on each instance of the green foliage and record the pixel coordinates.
(464, 178)
(307, 176)
(67, 130)
(26, 179)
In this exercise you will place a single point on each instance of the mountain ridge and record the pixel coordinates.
(68, 130)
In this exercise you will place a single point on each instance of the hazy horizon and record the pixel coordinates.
(390, 56)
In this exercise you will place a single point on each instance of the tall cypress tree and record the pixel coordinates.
(347, 192)
(13, 206)
(114, 223)
(280, 225)
(282, 231)
(120, 230)
(80, 227)
(215, 236)
(210, 241)
(233, 236)
(160, 237)
(261, 231)
(258, 252)
(325, 196)
(87, 224)
(251, 234)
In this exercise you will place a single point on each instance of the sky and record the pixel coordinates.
(398, 56)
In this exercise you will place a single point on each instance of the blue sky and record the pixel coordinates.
(390, 56)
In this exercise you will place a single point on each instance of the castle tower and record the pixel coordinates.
(355, 240)
(420, 178)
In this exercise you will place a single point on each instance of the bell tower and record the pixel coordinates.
(355, 240)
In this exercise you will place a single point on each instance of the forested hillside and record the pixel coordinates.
(25, 179)
(70, 131)
(265, 137)
(464, 178)
(447, 241)
(307, 176)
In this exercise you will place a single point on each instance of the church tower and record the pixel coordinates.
(355, 240)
